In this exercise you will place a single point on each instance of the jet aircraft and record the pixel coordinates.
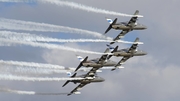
(131, 25)
(126, 53)
(125, 26)
(132, 51)
(90, 77)
(98, 62)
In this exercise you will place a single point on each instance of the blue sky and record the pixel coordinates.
(152, 77)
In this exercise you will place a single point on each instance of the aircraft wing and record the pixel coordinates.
(133, 20)
(120, 35)
(124, 59)
(75, 90)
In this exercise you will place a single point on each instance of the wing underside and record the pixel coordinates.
(75, 90)
(120, 35)
(124, 59)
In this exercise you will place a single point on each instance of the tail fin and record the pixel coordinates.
(111, 23)
(84, 60)
(80, 58)
(109, 20)
(69, 80)
(69, 73)
(110, 47)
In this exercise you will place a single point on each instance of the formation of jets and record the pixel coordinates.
(104, 60)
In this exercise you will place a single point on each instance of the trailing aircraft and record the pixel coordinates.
(126, 53)
(90, 77)
(96, 63)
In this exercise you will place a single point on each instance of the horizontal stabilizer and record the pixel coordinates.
(109, 20)
(69, 73)
(110, 47)
(80, 58)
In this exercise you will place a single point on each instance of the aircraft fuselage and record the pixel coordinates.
(94, 79)
(125, 53)
(124, 26)
(95, 64)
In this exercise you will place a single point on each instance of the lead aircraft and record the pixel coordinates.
(125, 26)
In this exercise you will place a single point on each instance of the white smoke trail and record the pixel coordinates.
(74, 5)
(39, 71)
(37, 38)
(23, 78)
(23, 70)
(30, 70)
(39, 68)
(85, 8)
(7, 90)
(45, 45)
(17, 91)
(33, 26)
(32, 64)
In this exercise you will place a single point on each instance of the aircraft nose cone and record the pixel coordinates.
(102, 79)
(145, 27)
(145, 53)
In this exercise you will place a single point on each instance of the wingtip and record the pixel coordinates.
(113, 69)
(112, 43)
